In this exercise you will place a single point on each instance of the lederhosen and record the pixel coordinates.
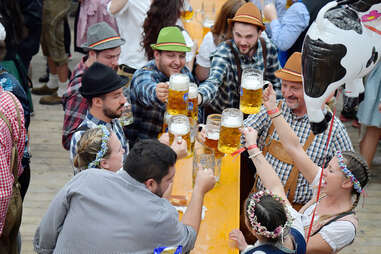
(8, 239)
(275, 148)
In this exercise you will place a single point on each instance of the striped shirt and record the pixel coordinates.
(340, 141)
(221, 90)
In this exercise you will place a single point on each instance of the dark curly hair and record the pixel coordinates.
(162, 13)
(13, 22)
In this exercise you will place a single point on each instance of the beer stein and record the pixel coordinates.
(178, 94)
(126, 118)
(203, 158)
(212, 131)
(230, 136)
(192, 101)
(251, 91)
(178, 125)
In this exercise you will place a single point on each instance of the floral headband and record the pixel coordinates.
(262, 230)
(347, 173)
(103, 150)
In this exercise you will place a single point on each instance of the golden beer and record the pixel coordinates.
(251, 101)
(206, 26)
(230, 136)
(251, 91)
(179, 126)
(187, 15)
(178, 94)
(192, 101)
(211, 141)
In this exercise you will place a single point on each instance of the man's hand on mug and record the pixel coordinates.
(162, 90)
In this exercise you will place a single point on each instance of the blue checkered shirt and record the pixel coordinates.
(221, 89)
(147, 110)
(340, 141)
(91, 122)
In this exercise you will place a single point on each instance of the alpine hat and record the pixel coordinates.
(99, 79)
(292, 70)
(250, 14)
(101, 36)
(170, 38)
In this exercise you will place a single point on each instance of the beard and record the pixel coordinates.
(112, 114)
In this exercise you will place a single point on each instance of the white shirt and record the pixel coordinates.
(207, 47)
(130, 21)
(337, 234)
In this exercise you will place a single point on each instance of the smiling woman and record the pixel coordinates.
(334, 225)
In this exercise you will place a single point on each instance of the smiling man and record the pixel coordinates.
(103, 90)
(149, 87)
(246, 50)
(294, 110)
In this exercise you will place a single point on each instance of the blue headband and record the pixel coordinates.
(103, 150)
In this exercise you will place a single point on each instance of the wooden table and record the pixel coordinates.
(222, 204)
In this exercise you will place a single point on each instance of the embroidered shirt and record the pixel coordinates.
(221, 90)
(147, 109)
(75, 106)
(91, 122)
(340, 141)
(8, 108)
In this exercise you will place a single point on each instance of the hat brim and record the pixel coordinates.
(118, 84)
(106, 45)
(244, 20)
(281, 74)
(176, 48)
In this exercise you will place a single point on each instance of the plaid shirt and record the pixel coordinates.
(7, 107)
(147, 110)
(340, 141)
(75, 106)
(220, 90)
(91, 122)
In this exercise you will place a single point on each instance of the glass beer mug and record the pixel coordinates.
(179, 125)
(192, 101)
(178, 94)
(230, 136)
(251, 91)
(212, 131)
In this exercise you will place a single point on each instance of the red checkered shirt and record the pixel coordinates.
(75, 106)
(7, 107)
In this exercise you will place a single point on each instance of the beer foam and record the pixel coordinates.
(192, 92)
(252, 83)
(231, 122)
(180, 129)
(179, 82)
(213, 135)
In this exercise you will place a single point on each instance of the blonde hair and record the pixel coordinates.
(88, 147)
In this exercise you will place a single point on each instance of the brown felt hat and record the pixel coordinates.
(250, 14)
(292, 70)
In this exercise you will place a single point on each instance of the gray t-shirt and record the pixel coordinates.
(100, 211)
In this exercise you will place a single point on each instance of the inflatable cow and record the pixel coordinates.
(341, 47)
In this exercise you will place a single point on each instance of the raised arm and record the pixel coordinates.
(265, 171)
(117, 5)
(288, 137)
